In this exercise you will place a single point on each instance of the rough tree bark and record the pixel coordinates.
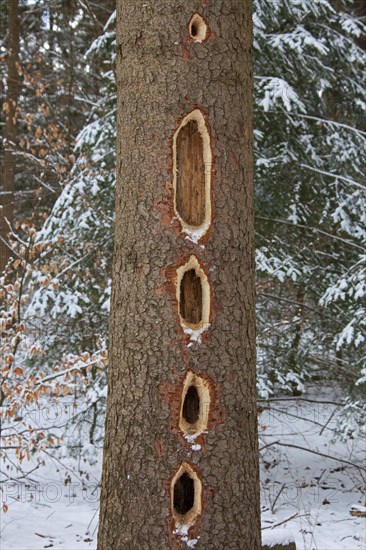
(180, 457)
(9, 107)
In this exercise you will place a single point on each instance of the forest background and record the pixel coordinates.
(57, 218)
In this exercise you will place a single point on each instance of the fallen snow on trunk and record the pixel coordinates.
(195, 333)
(181, 531)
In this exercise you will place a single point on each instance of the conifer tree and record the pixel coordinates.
(180, 455)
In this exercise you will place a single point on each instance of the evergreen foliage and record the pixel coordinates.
(310, 184)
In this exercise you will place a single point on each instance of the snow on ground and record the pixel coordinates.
(305, 497)
(318, 492)
(57, 509)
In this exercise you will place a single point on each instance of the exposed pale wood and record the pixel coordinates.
(198, 29)
(190, 198)
(195, 407)
(191, 297)
(186, 495)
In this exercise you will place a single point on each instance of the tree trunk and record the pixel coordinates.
(8, 171)
(360, 12)
(180, 456)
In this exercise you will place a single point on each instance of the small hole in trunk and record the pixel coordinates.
(186, 495)
(198, 28)
(191, 405)
(190, 175)
(191, 297)
(195, 404)
(183, 494)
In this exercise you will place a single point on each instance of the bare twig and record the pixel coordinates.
(283, 521)
(10, 248)
(269, 399)
(335, 176)
(79, 260)
(277, 497)
(66, 371)
(315, 453)
(292, 302)
(268, 445)
(327, 422)
(286, 413)
(322, 121)
(311, 229)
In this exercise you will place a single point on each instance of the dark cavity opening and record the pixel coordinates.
(191, 405)
(194, 29)
(183, 494)
(190, 187)
(191, 297)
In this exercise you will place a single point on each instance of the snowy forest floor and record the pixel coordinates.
(306, 497)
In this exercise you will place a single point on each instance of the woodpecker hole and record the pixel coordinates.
(183, 494)
(186, 494)
(198, 28)
(191, 405)
(195, 405)
(193, 294)
(191, 297)
(192, 174)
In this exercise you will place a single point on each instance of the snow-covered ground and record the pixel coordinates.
(315, 493)
(55, 508)
(305, 497)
